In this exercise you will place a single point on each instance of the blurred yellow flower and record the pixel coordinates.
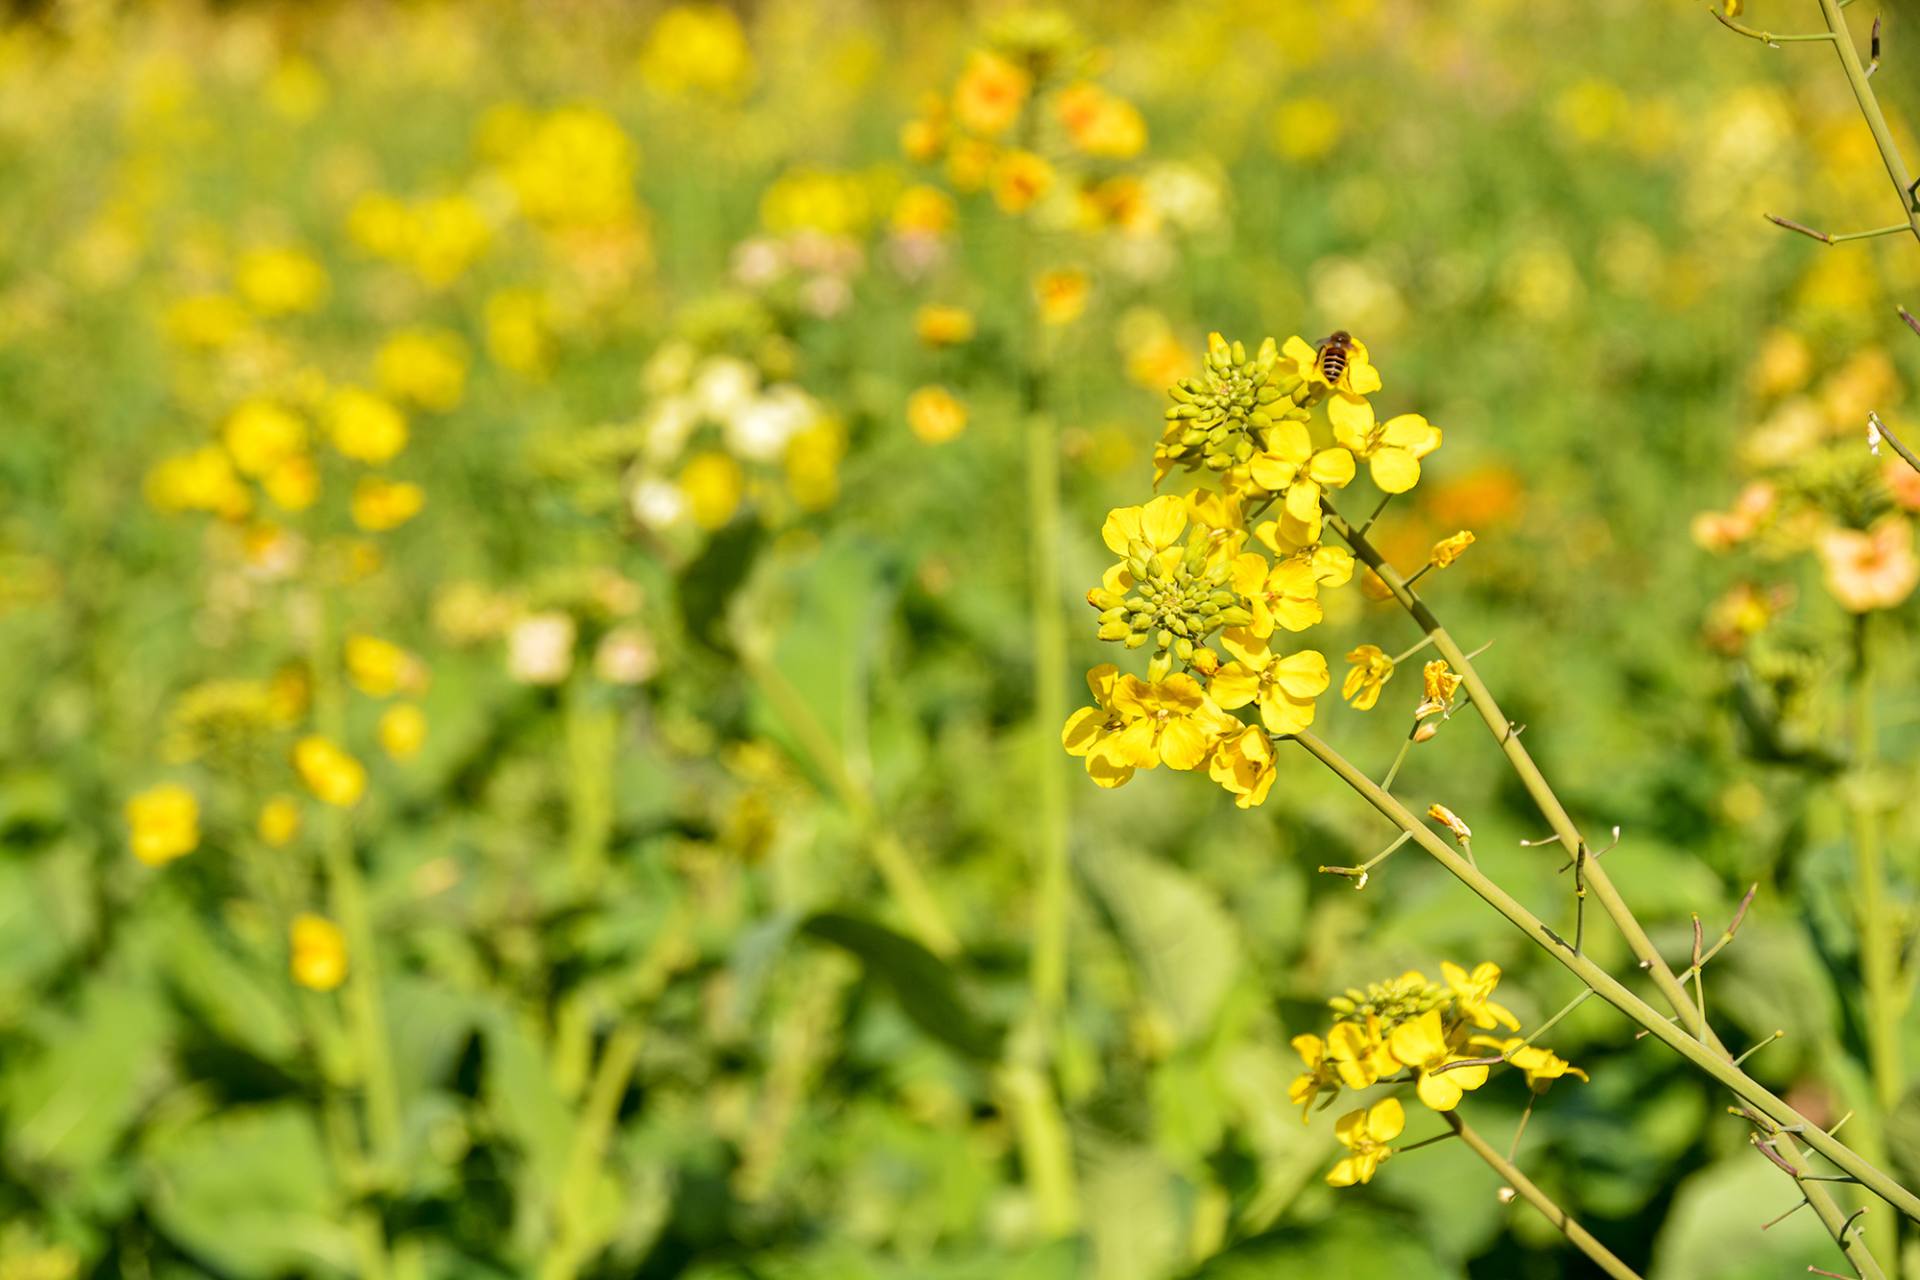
(203, 480)
(1365, 1134)
(1450, 548)
(259, 435)
(923, 210)
(571, 168)
(813, 464)
(1372, 668)
(280, 281)
(714, 486)
(403, 731)
(1019, 179)
(1100, 123)
(427, 367)
(970, 163)
(293, 484)
(1061, 294)
(943, 326)
(380, 505)
(697, 48)
(318, 952)
(335, 777)
(989, 95)
(1307, 129)
(206, 320)
(279, 821)
(519, 331)
(1243, 764)
(365, 427)
(380, 668)
(833, 201)
(935, 415)
(164, 823)
(1472, 994)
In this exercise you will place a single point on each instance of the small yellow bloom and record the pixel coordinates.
(1542, 1066)
(427, 367)
(1439, 684)
(1094, 733)
(1365, 1134)
(1019, 179)
(936, 415)
(365, 427)
(1283, 688)
(697, 48)
(259, 435)
(318, 952)
(1449, 549)
(1287, 595)
(1392, 449)
(1461, 832)
(923, 210)
(293, 484)
(940, 326)
(1243, 764)
(279, 821)
(1372, 668)
(1359, 1054)
(1318, 1078)
(1100, 123)
(164, 823)
(1357, 380)
(1307, 129)
(1170, 721)
(519, 331)
(206, 320)
(1061, 295)
(1472, 994)
(1290, 466)
(278, 282)
(403, 731)
(380, 505)
(1421, 1043)
(990, 93)
(329, 772)
(380, 668)
(713, 486)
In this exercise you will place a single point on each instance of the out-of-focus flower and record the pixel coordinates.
(203, 480)
(697, 48)
(519, 331)
(540, 648)
(1783, 365)
(1450, 548)
(813, 464)
(990, 94)
(1061, 294)
(1307, 129)
(280, 281)
(380, 668)
(1100, 123)
(259, 435)
(714, 486)
(427, 367)
(317, 952)
(163, 824)
(1903, 482)
(935, 415)
(333, 776)
(1874, 569)
(279, 821)
(294, 485)
(365, 427)
(403, 731)
(943, 326)
(656, 504)
(380, 505)
(1019, 179)
(572, 168)
(206, 320)
(626, 655)
(1722, 531)
(923, 210)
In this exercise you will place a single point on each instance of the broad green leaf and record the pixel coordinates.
(1713, 1230)
(925, 986)
(1185, 944)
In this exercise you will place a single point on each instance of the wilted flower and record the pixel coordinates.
(1372, 668)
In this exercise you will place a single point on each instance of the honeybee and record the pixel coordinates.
(1331, 355)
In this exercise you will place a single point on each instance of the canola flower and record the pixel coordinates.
(1209, 583)
(317, 952)
(163, 824)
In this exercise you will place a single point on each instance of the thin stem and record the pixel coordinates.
(1608, 988)
(1893, 441)
(1870, 110)
(591, 740)
(1768, 37)
(1578, 1236)
(593, 1129)
(1393, 770)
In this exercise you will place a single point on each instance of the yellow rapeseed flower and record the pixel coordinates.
(1372, 668)
(1243, 764)
(1061, 295)
(990, 93)
(294, 483)
(279, 821)
(380, 505)
(1099, 122)
(697, 48)
(163, 823)
(1365, 1134)
(403, 731)
(1472, 995)
(1170, 721)
(1283, 688)
(943, 326)
(1392, 449)
(1019, 179)
(380, 668)
(317, 952)
(1423, 1044)
(936, 415)
(1542, 1066)
(1438, 685)
(426, 367)
(1292, 467)
(259, 435)
(364, 426)
(329, 772)
(713, 486)
(203, 480)
(1450, 548)
(1094, 733)
(279, 281)
(923, 210)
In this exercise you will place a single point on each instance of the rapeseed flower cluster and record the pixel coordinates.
(1442, 1038)
(1211, 590)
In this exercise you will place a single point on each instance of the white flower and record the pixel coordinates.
(540, 648)
(656, 503)
(668, 369)
(758, 262)
(760, 433)
(626, 656)
(667, 427)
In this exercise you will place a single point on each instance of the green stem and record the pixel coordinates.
(1593, 875)
(1578, 1236)
(591, 736)
(592, 1131)
(1712, 1063)
(1870, 110)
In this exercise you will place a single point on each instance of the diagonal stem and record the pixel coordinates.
(1578, 1236)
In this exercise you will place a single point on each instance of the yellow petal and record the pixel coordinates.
(1352, 419)
(1411, 432)
(1285, 716)
(1439, 1091)
(1163, 520)
(1419, 1041)
(1183, 744)
(1303, 674)
(1385, 1119)
(1234, 686)
(1395, 470)
(1303, 501)
(1082, 730)
(1121, 529)
(1290, 442)
(1332, 467)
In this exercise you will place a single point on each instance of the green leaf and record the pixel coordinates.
(247, 1191)
(925, 986)
(1186, 945)
(707, 586)
(68, 1104)
(1713, 1230)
